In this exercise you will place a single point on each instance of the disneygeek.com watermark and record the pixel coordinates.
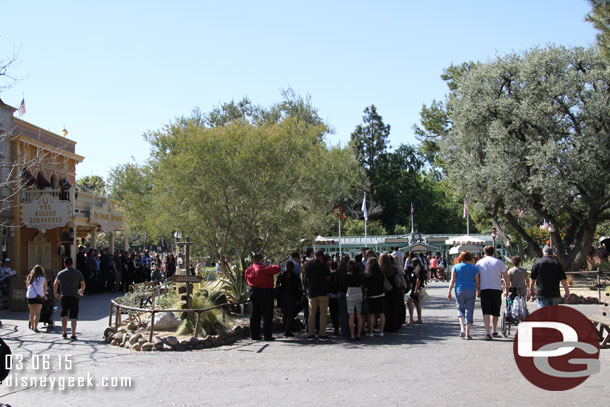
(55, 373)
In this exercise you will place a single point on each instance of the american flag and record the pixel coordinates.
(466, 206)
(21, 108)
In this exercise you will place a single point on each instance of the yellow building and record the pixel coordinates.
(48, 214)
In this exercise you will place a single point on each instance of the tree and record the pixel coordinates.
(93, 184)
(370, 140)
(532, 130)
(238, 189)
(600, 17)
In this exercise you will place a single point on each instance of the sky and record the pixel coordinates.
(110, 71)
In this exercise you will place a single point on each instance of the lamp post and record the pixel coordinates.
(493, 237)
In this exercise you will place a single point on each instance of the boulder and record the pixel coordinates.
(135, 338)
(193, 341)
(166, 321)
(207, 342)
(118, 337)
(157, 340)
(132, 326)
(171, 340)
(184, 342)
(148, 346)
(114, 342)
(108, 332)
(122, 329)
(167, 347)
(142, 341)
(159, 346)
(135, 346)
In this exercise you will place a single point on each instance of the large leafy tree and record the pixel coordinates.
(533, 130)
(600, 17)
(370, 140)
(93, 184)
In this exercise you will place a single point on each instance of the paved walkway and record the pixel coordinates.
(427, 365)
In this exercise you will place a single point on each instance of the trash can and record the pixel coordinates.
(16, 294)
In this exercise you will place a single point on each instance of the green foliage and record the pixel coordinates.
(210, 322)
(530, 130)
(131, 185)
(355, 227)
(168, 299)
(239, 180)
(93, 184)
(370, 140)
(234, 282)
(600, 17)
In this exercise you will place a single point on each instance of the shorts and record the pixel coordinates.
(69, 305)
(34, 301)
(354, 300)
(491, 301)
(376, 305)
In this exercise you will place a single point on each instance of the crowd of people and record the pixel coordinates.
(362, 295)
(105, 271)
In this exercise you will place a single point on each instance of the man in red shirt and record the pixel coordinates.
(260, 279)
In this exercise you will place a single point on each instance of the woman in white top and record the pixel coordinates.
(36, 284)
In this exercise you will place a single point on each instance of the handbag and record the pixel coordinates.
(387, 286)
(38, 297)
(422, 295)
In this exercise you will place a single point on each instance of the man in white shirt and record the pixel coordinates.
(491, 270)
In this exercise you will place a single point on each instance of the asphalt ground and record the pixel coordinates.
(426, 365)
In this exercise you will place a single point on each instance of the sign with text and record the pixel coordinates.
(46, 212)
(186, 279)
(108, 220)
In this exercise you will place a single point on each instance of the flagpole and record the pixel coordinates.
(340, 253)
(412, 224)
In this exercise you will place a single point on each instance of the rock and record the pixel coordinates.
(157, 340)
(193, 341)
(122, 329)
(184, 342)
(114, 342)
(135, 338)
(165, 321)
(135, 346)
(142, 341)
(148, 346)
(199, 347)
(125, 339)
(236, 330)
(132, 326)
(207, 342)
(171, 340)
(167, 347)
(179, 348)
(108, 332)
(118, 337)
(159, 346)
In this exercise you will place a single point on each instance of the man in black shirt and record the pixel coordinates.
(548, 274)
(317, 275)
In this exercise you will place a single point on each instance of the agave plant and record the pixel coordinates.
(234, 283)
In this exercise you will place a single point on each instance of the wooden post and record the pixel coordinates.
(152, 325)
(599, 284)
(116, 319)
(111, 311)
(197, 324)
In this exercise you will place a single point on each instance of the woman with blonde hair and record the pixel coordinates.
(36, 285)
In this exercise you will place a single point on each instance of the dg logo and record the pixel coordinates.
(556, 348)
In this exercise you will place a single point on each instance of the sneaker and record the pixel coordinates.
(353, 339)
(468, 338)
(488, 337)
(311, 338)
(73, 338)
(462, 334)
(370, 335)
(380, 333)
(495, 334)
(65, 336)
(323, 338)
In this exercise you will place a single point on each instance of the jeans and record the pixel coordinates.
(262, 306)
(315, 304)
(546, 301)
(465, 304)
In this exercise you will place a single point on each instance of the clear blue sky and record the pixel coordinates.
(111, 70)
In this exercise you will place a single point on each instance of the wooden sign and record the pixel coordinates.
(186, 279)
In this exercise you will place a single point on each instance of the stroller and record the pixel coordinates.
(48, 306)
(515, 311)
